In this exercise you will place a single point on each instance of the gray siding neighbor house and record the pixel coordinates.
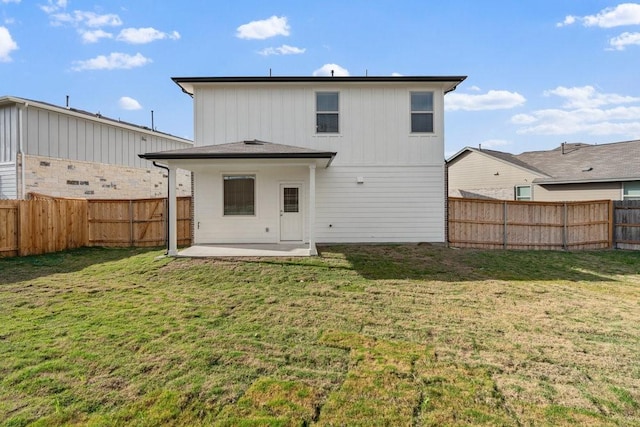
(66, 152)
(570, 172)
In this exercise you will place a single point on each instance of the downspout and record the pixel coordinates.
(23, 172)
(167, 216)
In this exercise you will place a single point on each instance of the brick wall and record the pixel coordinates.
(73, 178)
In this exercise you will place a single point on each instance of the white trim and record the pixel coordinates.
(301, 206)
(172, 217)
(312, 210)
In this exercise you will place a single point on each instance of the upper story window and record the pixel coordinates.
(631, 190)
(422, 112)
(239, 194)
(327, 112)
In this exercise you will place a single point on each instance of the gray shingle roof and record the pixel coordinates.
(576, 162)
(618, 161)
(241, 150)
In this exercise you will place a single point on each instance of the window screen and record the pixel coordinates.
(327, 111)
(422, 112)
(239, 195)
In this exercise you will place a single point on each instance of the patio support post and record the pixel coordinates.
(172, 213)
(312, 210)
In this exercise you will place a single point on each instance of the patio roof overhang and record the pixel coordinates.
(253, 150)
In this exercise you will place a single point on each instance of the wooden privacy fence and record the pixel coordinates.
(45, 224)
(627, 224)
(139, 222)
(42, 225)
(500, 224)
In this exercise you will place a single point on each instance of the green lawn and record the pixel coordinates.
(362, 335)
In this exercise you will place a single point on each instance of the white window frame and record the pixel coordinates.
(255, 195)
(327, 112)
(413, 112)
(518, 197)
(625, 195)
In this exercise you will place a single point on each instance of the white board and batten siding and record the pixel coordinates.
(8, 152)
(67, 135)
(374, 121)
(401, 198)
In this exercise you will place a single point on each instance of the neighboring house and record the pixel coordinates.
(315, 159)
(67, 152)
(570, 172)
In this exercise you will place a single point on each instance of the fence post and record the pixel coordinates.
(504, 227)
(612, 225)
(564, 226)
(131, 223)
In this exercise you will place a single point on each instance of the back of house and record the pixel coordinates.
(331, 159)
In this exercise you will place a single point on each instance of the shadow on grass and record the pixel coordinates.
(17, 269)
(426, 262)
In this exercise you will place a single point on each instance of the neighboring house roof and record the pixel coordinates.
(97, 117)
(450, 82)
(500, 156)
(577, 162)
(242, 150)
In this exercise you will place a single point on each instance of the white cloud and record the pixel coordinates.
(94, 36)
(264, 29)
(622, 14)
(492, 143)
(625, 39)
(394, 74)
(582, 113)
(145, 35)
(53, 6)
(588, 97)
(614, 121)
(115, 61)
(327, 69)
(492, 100)
(81, 18)
(10, 1)
(128, 103)
(282, 50)
(568, 20)
(7, 45)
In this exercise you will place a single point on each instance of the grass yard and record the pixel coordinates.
(362, 335)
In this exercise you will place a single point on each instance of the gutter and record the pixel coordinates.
(583, 181)
(167, 216)
(23, 172)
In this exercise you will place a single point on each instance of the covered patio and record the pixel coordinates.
(277, 213)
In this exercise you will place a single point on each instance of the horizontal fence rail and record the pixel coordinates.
(45, 224)
(504, 224)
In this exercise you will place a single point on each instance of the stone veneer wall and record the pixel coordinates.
(73, 178)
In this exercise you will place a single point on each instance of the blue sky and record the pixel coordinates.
(539, 72)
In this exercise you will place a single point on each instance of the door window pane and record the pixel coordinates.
(290, 199)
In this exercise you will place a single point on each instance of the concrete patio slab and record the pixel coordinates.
(245, 250)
